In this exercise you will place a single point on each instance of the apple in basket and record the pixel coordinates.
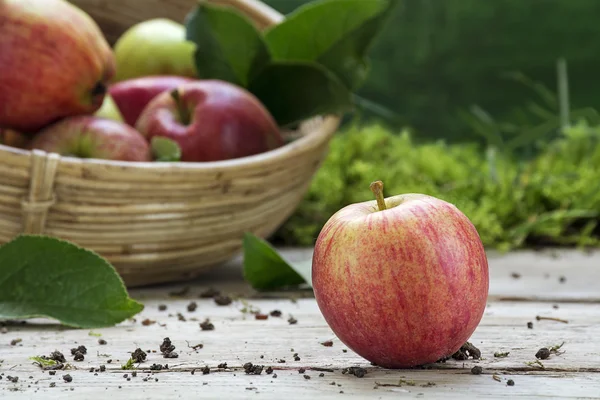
(93, 137)
(12, 138)
(54, 63)
(403, 281)
(133, 95)
(154, 47)
(211, 120)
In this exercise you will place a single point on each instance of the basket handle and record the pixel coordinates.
(262, 14)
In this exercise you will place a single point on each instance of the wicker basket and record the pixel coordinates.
(159, 222)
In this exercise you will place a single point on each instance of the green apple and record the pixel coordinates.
(154, 47)
(109, 109)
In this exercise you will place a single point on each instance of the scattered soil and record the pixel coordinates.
(205, 370)
(57, 356)
(327, 343)
(167, 349)
(222, 365)
(67, 378)
(252, 369)
(292, 321)
(261, 316)
(138, 355)
(209, 293)
(501, 354)
(102, 342)
(207, 325)
(192, 306)
(148, 321)
(158, 367)
(275, 313)
(510, 382)
(515, 275)
(477, 370)
(180, 317)
(306, 376)
(301, 370)
(321, 375)
(542, 353)
(467, 351)
(530, 325)
(78, 356)
(356, 371)
(51, 372)
(222, 300)
(15, 342)
(181, 292)
(13, 379)
(162, 307)
(562, 279)
(269, 370)
(296, 357)
(80, 349)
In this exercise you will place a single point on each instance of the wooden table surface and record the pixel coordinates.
(563, 286)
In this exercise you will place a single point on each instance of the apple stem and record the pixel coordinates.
(184, 115)
(377, 189)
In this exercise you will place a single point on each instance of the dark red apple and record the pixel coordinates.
(211, 120)
(131, 96)
(402, 281)
(93, 137)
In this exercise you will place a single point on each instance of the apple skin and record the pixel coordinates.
(93, 137)
(401, 287)
(55, 63)
(133, 95)
(109, 110)
(12, 138)
(154, 47)
(226, 121)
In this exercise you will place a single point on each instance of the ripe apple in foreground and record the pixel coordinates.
(54, 63)
(402, 281)
(133, 95)
(211, 120)
(93, 137)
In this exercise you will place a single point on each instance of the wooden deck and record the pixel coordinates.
(564, 286)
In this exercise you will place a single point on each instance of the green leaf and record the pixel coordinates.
(41, 276)
(294, 91)
(334, 33)
(228, 46)
(265, 269)
(165, 149)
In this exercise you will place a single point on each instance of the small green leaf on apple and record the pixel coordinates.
(335, 33)
(296, 90)
(229, 47)
(165, 149)
(48, 277)
(265, 269)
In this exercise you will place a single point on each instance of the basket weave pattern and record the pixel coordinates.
(160, 222)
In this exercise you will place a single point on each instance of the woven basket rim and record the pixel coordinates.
(315, 138)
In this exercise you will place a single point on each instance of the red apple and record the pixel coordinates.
(93, 137)
(54, 63)
(211, 120)
(131, 96)
(402, 281)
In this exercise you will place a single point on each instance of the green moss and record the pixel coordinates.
(551, 198)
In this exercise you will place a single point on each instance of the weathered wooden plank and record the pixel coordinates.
(239, 338)
(291, 385)
(539, 276)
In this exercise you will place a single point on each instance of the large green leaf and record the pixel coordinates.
(294, 91)
(228, 46)
(335, 33)
(42, 276)
(265, 269)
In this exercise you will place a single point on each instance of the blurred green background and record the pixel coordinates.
(468, 109)
(436, 57)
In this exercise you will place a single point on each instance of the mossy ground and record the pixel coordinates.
(549, 198)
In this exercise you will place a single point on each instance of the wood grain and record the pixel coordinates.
(239, 338)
